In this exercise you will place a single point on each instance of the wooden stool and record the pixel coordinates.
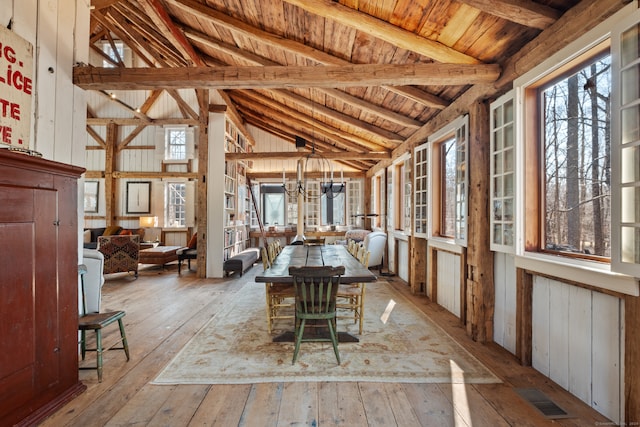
(96, 322)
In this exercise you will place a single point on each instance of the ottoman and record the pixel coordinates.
(159, 255)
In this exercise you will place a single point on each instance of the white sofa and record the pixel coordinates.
(93, 280)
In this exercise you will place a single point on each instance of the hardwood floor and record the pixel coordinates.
(165, 310)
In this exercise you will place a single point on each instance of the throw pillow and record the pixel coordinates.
(112, 230)
(86, 236)
(193, 242)
(126, 233)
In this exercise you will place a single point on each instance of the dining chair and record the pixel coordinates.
(316, 288)
(279, 297)
(351, 297)
(97, 321)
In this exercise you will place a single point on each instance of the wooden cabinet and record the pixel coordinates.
(38, 287)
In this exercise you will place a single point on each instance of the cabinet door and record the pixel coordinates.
(29, 362)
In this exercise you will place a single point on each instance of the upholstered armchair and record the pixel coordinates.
(121, 253)
(375, 242)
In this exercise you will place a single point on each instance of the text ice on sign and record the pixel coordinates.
(16, 87)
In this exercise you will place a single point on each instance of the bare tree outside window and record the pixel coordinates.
(577, 164)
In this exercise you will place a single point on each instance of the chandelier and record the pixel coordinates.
(314, 164)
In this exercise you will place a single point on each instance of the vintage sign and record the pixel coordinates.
(16, 89)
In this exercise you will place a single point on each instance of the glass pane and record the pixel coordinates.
(507, 235)
(630, 204)
(508, 111)
(508, 160)
(508, 185)
(508, 210)
(497, 233)
(273, 209)
(631, 84)
(497, 117)
(497, 210)
(630, 245)
(497, 186)
(630, 124)
(497, 164)
(498, 140)
(508, 136)
(630, 45)
(630, 168)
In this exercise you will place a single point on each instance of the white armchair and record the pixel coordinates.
(93, 280)
(375, 242)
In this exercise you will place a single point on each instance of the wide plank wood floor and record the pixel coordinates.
(165, 310)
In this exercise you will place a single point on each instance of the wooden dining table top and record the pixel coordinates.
(321, 255)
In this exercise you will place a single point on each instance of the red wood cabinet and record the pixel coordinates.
(38, 287)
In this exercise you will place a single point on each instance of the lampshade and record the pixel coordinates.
(148, 221)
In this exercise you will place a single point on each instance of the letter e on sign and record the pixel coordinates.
(16, 85)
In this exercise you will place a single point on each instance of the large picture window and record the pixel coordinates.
(576, 161)
(273, 204)
(176, 204)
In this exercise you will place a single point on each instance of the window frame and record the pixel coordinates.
(421, 163)
(499, 130)
(459, 130)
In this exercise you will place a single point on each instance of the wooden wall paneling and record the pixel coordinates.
(524, 316)
(579, 342)
(632, 358)
(559, 308)
(606, 356)
(540, 325)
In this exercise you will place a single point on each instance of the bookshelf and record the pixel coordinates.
(236, 195)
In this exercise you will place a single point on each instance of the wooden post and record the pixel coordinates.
(481, 292)
(109, 169)
(432, 277)
(524, 316)
(632, 359)
(418, 274)
(201, 184)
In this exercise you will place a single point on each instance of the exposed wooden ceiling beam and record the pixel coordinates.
(523, 12)
(383, 30)
(330, 155)
(300, 120)
(360, 75)
(201, 11)
(335, 93)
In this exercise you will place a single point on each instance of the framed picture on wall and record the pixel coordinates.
(139, 197)
(91, 196)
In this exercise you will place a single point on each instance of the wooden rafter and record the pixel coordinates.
(523, 12)
(97, 78)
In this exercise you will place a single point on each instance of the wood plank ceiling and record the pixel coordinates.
(352, 77)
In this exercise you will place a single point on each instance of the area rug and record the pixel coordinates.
(399, 344)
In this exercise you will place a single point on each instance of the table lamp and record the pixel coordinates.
(149, 222)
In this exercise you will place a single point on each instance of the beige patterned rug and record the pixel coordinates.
(399, 344)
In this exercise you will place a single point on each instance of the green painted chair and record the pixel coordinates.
(315, 295)
(96, 322)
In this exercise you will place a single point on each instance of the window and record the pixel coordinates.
(421, 175)
(449, 185)
(355, 203)
(273, 204)
(626, 143)
(333, 206)
(502, 175)
(114, 57)
(576, 162)
(176, 215)
(175, 144)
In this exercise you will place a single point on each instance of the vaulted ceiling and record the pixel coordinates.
(353, 77)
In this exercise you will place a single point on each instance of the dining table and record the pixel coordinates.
(316, 255)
